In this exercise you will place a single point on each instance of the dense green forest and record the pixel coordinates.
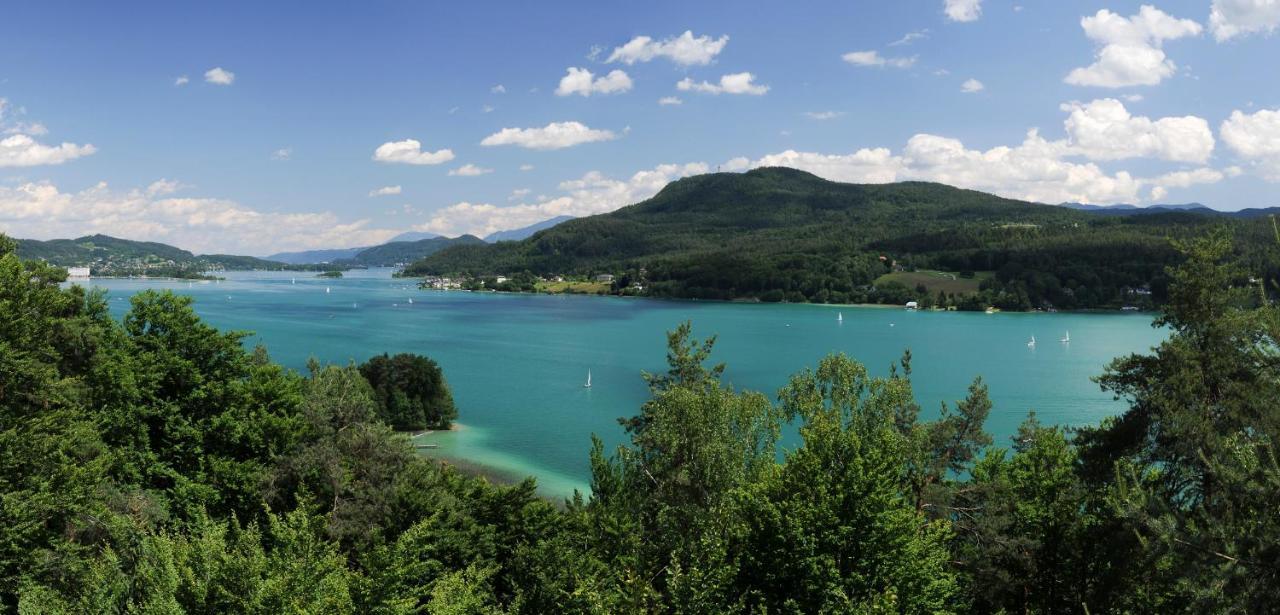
(399, 252)
(155, 465)
(777, 234)
(111, 256)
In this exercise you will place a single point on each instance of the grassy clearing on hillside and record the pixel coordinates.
(574, 288)
(935, 281)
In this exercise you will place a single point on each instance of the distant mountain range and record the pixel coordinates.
(1125, 209)
(396, 252)
(525, 232)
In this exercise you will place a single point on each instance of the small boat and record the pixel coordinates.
(1032, 343)
(326, 290)
(588, 384)
(410, 300)
(839, 317)
(293, 280)
(1066, 338)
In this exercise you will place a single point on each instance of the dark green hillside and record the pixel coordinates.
(781, 234)
(106, 255)
(398, 252)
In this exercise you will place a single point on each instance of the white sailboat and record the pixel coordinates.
(326, 290)
(839, 317)
(410, 300)
(588, 384)
(1032, 343)
(293, 280)
(1066, 338)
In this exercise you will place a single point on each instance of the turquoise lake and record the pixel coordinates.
(517, 363)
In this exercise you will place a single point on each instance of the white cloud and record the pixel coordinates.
(486, 109)
(582, 82)
(204, 225)
(519, 193)
(409, 151)
(911, 37)
(823, 115)
(526, 167)
(469, 170)
(181, 81)
(283, 153)
(962, 10)
(670, 100)
(385, 191)
(556, 135)
(498, 89)
(736, 83)
(874, 59)
(1183, 179)
(1133, 98)
(1035, 170)
(685, 50)
(163, 186)
(593, 193)
(971, 86)
(1231, 18)
(1105, 130)
(1130, 51)
(1255, 138)
(21, 150)
(219, 76)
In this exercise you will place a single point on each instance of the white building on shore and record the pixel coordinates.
(77, 272)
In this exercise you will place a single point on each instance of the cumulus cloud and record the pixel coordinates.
(1105, 130)
(736, 83)
(874, 59)
(182, 80)
(670, 100)
(163, 186)
(962, 10)
(1183, 179)
(21, 150)
(593, 193)
(684, 50)
(409, 151)
(469, 170)
(556, 135)
(582, 82)
(1130, 48)
(526, 167)
(219, 76)
(385, 191)
(40, 210)
(283, 153)
(1231, 18)
(972, 86)
(498, 89)
(1255, 138)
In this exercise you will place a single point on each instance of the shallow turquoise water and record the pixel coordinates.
(516, 363)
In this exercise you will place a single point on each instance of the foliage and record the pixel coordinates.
(156, 465)
(410, 391)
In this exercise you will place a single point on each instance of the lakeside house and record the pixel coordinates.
(912, 305)
(77, 272)
(606, 278)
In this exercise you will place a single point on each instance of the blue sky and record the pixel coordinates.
(1169, 102)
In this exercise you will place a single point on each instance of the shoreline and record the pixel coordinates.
(749, 301)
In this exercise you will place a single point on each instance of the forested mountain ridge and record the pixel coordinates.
(782, 234)
(399, 252)
(106, 255)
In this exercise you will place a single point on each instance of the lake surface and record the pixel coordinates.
(517, 363)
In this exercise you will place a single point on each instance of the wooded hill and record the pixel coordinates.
(106, 255)
(776, 234)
